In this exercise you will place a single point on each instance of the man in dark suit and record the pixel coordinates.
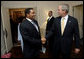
(31, 35)
(49, 21)
(64, 29)
(48, 27)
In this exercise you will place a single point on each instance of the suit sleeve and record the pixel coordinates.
(51, 32)
(32, 41)
(76, 33)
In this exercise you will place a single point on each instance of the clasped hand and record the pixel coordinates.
(43, 40)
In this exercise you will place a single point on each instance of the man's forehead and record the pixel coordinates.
(59, 6)
(32, 10)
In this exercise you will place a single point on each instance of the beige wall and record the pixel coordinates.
(42, 8)
(78, 13)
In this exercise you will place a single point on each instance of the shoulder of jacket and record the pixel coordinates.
(73, 18)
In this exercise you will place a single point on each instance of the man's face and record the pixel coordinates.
(49, 14)
(31, 15)
(60, 11)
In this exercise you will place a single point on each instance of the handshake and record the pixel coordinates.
(43, 40)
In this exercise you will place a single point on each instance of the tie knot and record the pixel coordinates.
(62, 19)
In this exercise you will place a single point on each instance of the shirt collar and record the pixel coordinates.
(66, 17)
(29, 19)
(50, 17)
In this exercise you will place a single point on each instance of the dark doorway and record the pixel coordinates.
(14, 16)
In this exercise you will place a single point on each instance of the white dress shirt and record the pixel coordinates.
(49, 18)
(65, 20)
(20, 36)
(33, 24)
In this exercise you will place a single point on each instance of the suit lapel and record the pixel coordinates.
(32, 25)
(37, 25)
(67, 25)
(59, 25)
(50, 19)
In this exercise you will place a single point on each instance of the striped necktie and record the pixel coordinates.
(62, 25)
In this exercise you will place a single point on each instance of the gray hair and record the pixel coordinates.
(65, 7)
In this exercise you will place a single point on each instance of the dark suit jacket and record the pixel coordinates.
(64, 42)
(48, 27)
(31, 39)
(49, 24)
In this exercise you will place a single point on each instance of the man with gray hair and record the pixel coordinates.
(64, 28)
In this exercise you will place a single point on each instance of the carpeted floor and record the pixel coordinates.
(17, 53)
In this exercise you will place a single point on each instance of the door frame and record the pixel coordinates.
(7, 35)
(78, 20)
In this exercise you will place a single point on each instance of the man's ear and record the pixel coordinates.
(28, 15)
(64, 11)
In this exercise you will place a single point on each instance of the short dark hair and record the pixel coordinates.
(51, 11)
(27, 11)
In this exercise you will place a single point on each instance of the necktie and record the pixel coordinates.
(62, 26)
(35, 26)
